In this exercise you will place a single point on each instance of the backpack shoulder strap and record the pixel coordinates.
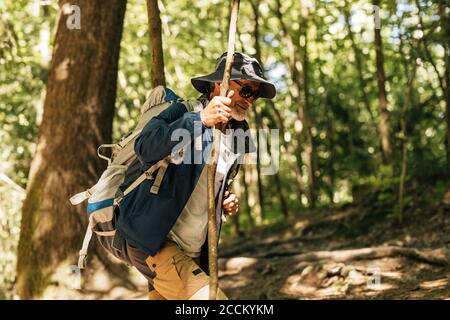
(193, 105)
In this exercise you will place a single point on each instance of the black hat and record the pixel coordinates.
(244, 67)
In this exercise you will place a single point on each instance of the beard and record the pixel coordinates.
(238, 113)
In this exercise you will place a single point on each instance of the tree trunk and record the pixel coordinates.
(304, 111)
(154, 23)
(236, 229)
(257, 112)
(248, 207)
(257, 47)
(444, 81)
(330, 179)
(359, 64)
(382, 97)
(297, 68)
(408, 98)
(445, 21)
(438, 257)
(78, 114)
(258, 121)
(252, 182)
(279, 189)
(278, 119)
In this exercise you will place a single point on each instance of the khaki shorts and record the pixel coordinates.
(171, 273)
(177, 275)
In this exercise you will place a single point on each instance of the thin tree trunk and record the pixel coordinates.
(236, 229)
(297, 68)
(444, 81)
(258, 161)
(248, 207)
(404, 137)
(439, 257)
(304, 112)
(359, 65)
(78, 114)
(154, 23)
(445, 25)
(256, 37)
(253, 194)
(331, 149)
(257, 111)
(382, 97)
(361, 80)
(280, 191)
(330, 177)
(300, 186)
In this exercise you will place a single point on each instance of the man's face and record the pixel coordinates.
(239, 105)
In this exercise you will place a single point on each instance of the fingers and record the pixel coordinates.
(218, 113)
(233, 204)
(222, 104)
(232, 211)
(217, 110)
(225, 108)
(223, 100)
(222, 116)
(230, 199)
(230, 204)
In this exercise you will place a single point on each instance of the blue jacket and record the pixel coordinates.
(145, 218)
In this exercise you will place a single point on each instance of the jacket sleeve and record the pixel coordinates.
(155, 143)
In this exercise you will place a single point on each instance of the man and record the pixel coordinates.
(166, 233)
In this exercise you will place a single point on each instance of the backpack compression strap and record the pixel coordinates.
(161, 172)
(82, 255)
(84, 195)
(148, 174)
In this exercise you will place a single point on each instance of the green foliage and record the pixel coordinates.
(25, 32)
(345, 129)
(11, 197)
(24, 45)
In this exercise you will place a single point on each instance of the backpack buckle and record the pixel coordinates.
(148, 175)
(82, 261)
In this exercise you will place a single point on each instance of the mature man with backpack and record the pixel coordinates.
(149, 208)
(165, 233)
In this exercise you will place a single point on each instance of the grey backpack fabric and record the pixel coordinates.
(103, 198)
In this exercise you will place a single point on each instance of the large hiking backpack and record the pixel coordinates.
(104, 197)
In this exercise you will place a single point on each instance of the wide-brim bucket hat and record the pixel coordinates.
(244, 68)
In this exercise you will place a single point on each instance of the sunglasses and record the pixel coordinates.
(246, 91)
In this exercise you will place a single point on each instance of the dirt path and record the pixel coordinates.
(352, 252)
(307, 258)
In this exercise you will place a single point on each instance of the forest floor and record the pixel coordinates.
(355, 251)
(350, 252)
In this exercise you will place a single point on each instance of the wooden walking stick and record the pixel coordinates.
(212, 165)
